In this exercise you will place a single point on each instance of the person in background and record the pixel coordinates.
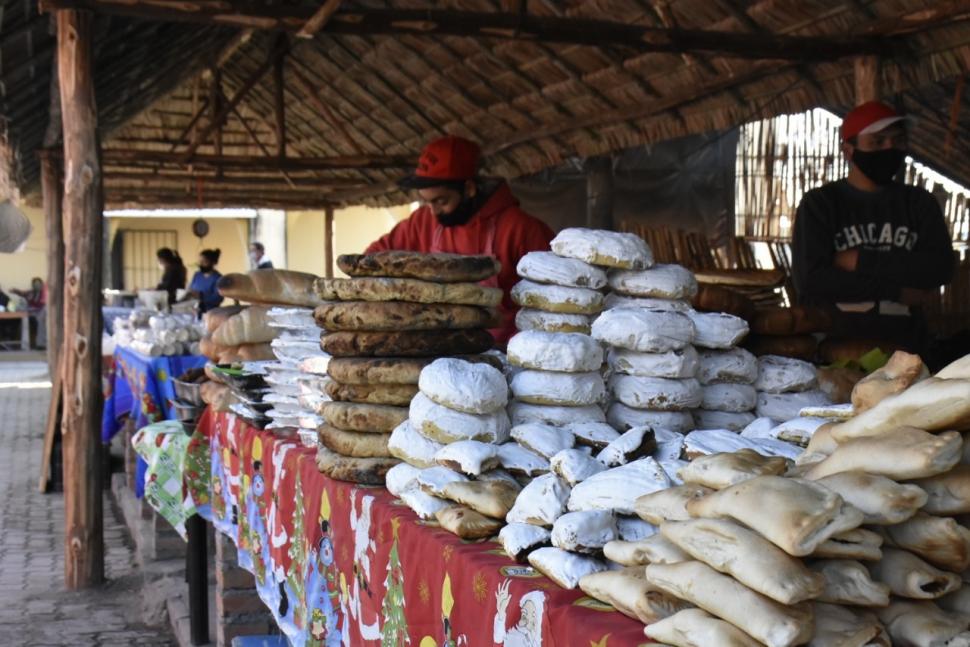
(870, 248)
(463, 213)
(173, 272)
(257, 257)
(36, 298)
(203, 284)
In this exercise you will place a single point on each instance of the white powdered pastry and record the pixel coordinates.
(798, 430)
(786, 406)
(523, 412)
(777, 374)
(564, 568)
(433, 479)
(758, 428)
(411, 447)
(529, 319)
(634, 528)
(601, 247)
(670, 444)
(635, 443)
(464, 386)
(519, 461)
(735, 398)
(717, 330)
(575, 466)
(584, 532)
(614, 300)
(623, 417)
(660, 282)
(717, 441)
(540, 502)
(548, 351)
(592, 434)
(546, 267)
(316, 364)
(545, 440)
(644, 331)
(557, 298)
(704, 419)
(446, 425)
(399, 477)
(518, 539)
(656, 393)
(553, 388)
(672, 364)
(616, 489)
(468, 457)
(423, 504)
(735, 365)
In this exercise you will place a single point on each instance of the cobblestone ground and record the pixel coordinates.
(35, 610)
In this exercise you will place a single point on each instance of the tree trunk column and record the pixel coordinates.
(81, 351)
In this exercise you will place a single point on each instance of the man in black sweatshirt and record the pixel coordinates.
(872, 248)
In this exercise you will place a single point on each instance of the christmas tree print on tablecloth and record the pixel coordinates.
(394, 632)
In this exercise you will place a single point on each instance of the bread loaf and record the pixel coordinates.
(442, 268)
(413, 343)
(249, 326)
(411, 290)
(401, 315)
(270, 286)
(215, 317)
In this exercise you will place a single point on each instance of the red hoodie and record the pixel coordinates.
(500, 229)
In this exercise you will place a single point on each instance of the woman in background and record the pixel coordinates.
(203, 285)
(173, 272)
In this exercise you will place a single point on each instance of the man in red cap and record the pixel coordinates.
(462, 213)
(869, 246)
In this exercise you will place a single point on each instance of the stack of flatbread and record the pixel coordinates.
(449, 445)
(649, 331)
(860, 543)
(395, 315)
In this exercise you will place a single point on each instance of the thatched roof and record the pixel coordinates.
(362, 96)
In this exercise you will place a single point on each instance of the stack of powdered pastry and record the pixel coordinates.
(396, 313)
(649, 331)
(861, 543)
(726, 372)
(450, 447)
(785, 386)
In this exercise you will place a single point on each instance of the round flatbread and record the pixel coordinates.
(371, 418)
(390, 370)
(661, 282)
(557, 298)
(410, 343)
(367, 471)
(398, 395)
(546, 267)
(412, 290)
(549, 351)
(443, 268)
(529, 319)
(401, 315)
(354, 443)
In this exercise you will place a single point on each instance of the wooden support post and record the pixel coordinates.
(599, 192)
(328, 242)
(81, 353)
(51, 192)
(867, 79)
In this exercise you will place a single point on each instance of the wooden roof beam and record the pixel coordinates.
(122, 156)
(496, 25)
(319, 19)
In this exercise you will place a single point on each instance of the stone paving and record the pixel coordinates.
(35, 610)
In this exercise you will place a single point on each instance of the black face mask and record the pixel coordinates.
(461, 214)
(879, 166)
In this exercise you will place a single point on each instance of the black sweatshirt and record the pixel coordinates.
(900, 233)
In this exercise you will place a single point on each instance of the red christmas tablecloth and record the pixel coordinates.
(344, 564)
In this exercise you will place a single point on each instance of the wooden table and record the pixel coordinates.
(24, 328)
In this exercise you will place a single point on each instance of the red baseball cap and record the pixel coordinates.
(443, 160)
(870, 117)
